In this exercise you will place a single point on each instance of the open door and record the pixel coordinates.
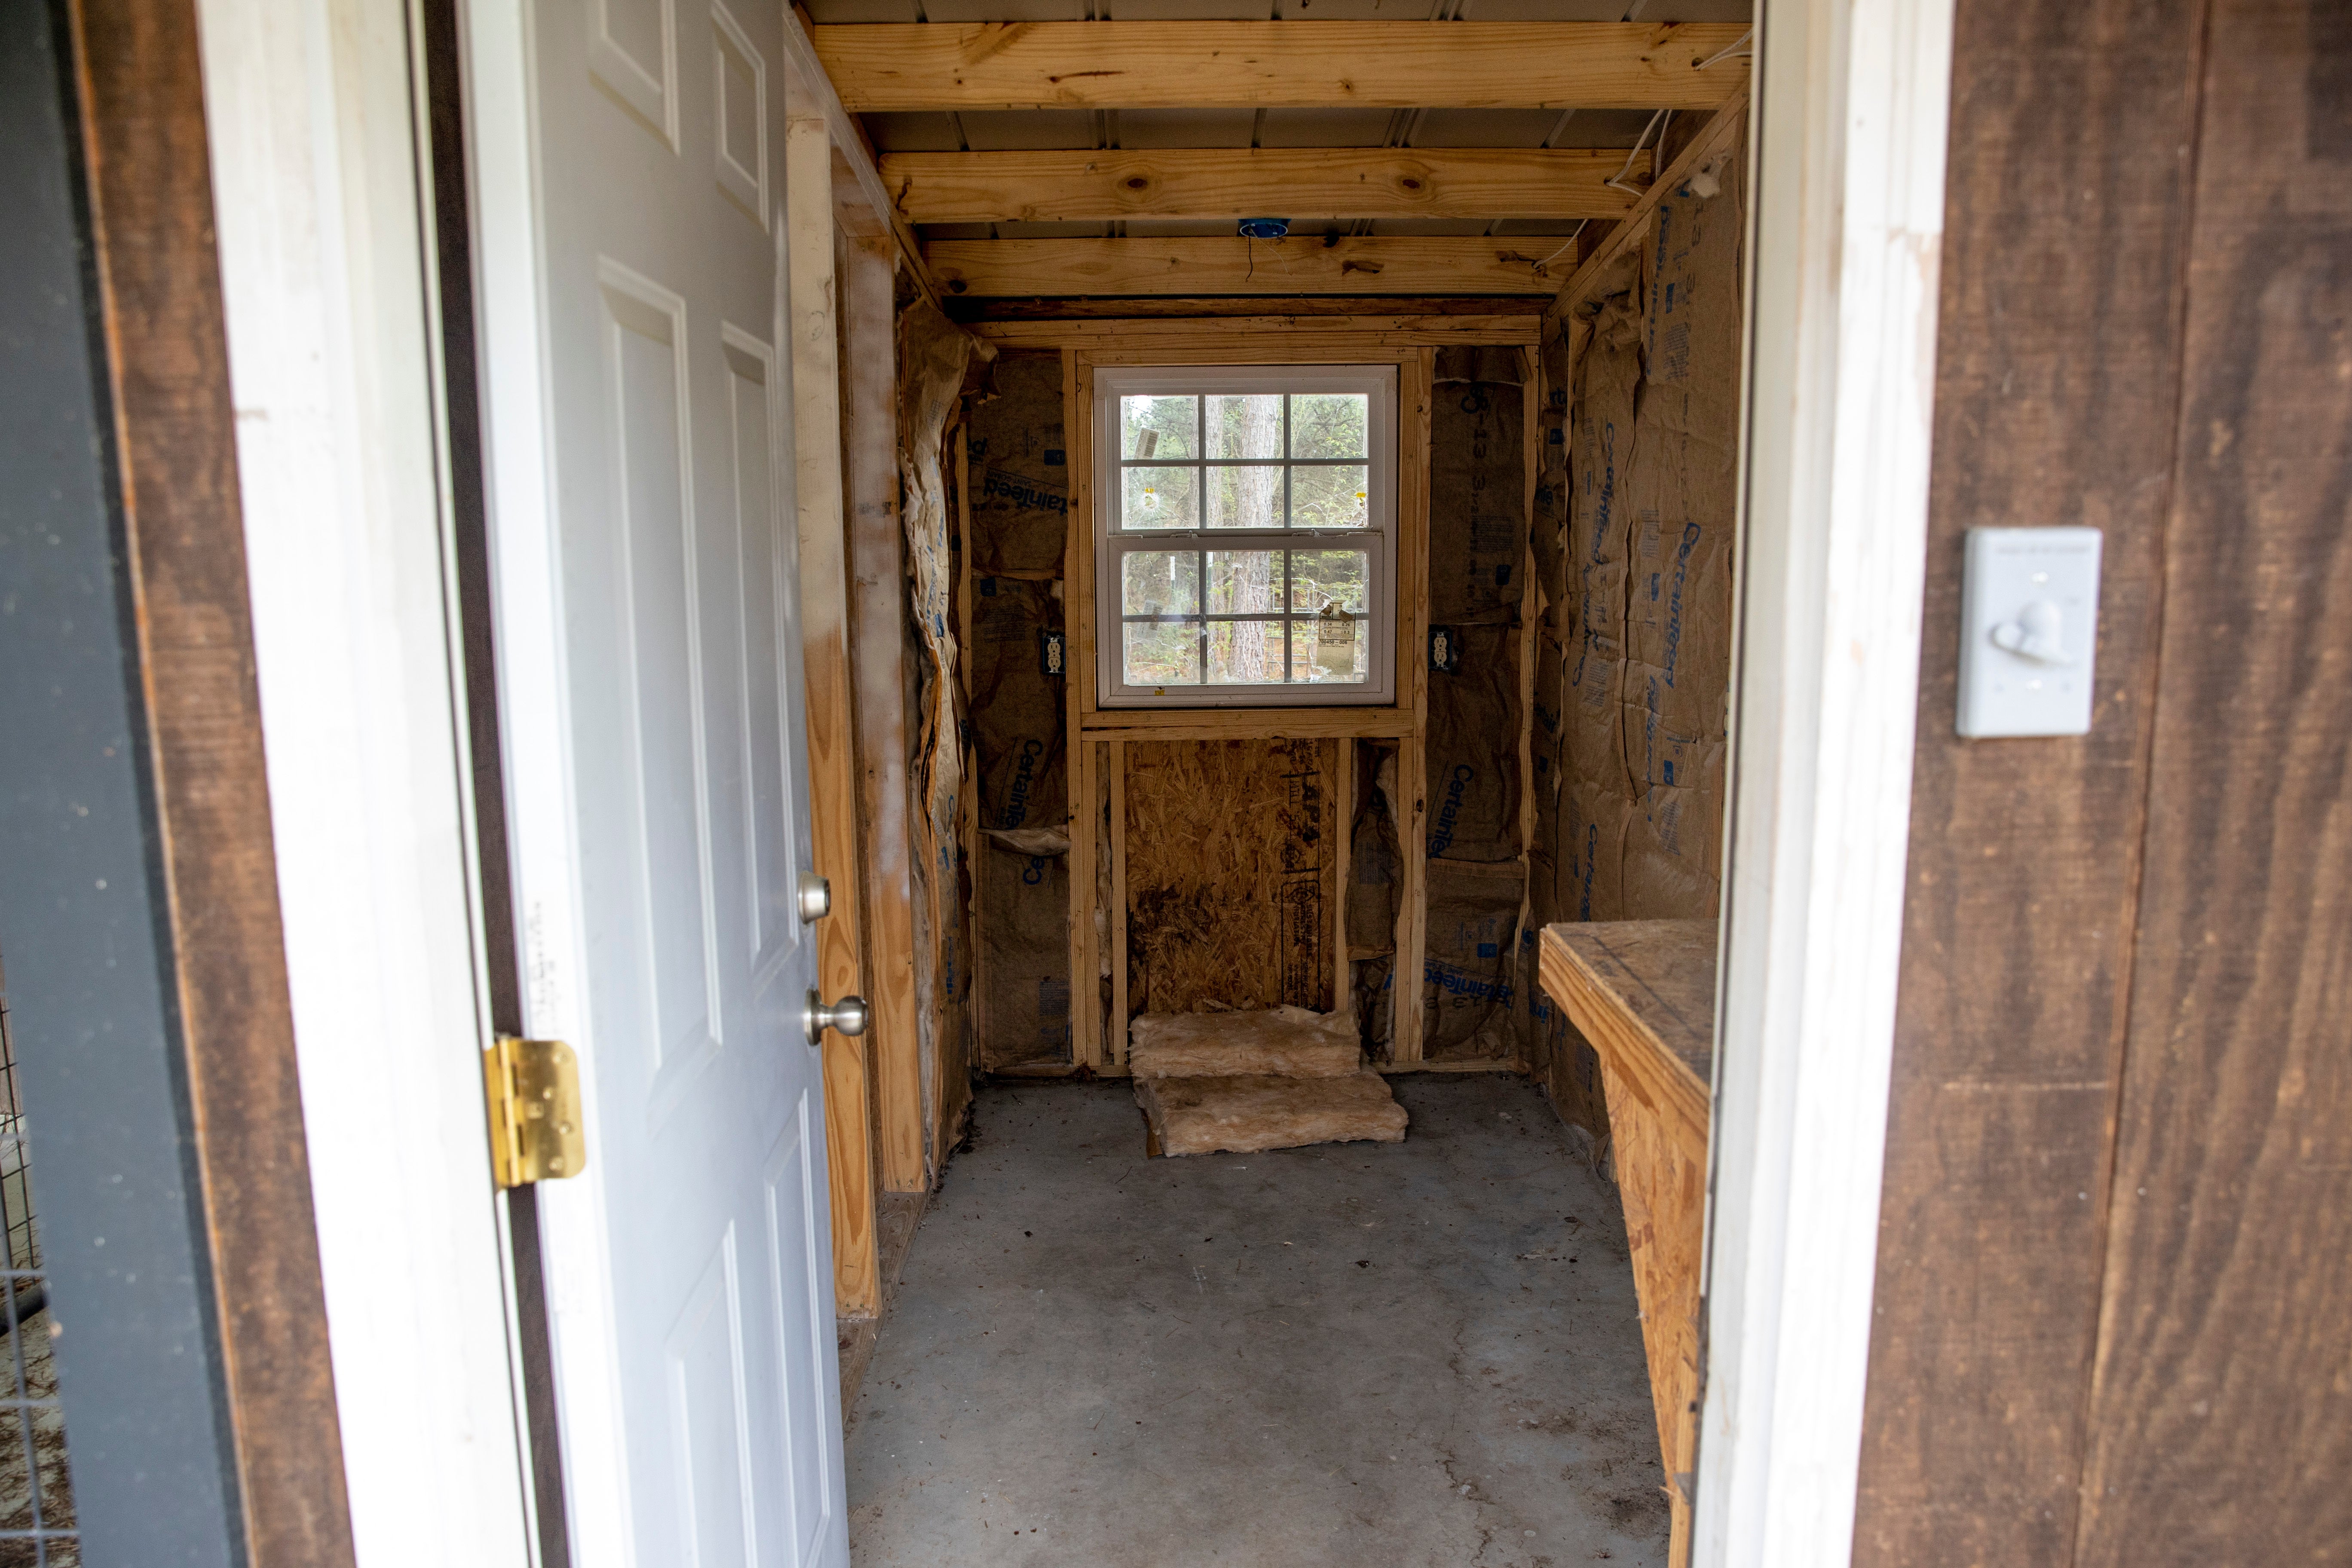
(629, 156)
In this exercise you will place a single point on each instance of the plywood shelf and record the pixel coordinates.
(1642, 993)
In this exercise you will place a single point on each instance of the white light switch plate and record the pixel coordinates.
(2029, 625)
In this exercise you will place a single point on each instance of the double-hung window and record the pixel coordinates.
(1245, 535)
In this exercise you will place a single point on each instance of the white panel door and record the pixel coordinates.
(639, 413)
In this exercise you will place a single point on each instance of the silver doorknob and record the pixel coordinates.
(813, 897)
(846, 1017)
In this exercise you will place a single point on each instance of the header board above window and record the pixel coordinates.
(1245, 535)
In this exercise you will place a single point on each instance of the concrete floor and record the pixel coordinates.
(1368, 1355)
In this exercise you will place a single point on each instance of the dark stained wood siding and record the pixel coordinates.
(2058, 361)
(151, 198)
(2115, 1292)
(2221, 1405)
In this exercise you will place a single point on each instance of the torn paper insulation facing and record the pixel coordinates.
(1289, 1042)
(1025, 913)
(1375, 893)
(1478, 530)
(1230, 875)
(1019, 718)
(1636, 507)
(934, 355)
(1020, 471)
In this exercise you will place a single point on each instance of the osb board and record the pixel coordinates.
(1229, 874)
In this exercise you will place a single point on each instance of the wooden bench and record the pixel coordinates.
(1643, 992)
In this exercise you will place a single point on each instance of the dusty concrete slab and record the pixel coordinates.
(1363, 1355)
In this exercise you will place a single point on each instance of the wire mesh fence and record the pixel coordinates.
(37, 1512)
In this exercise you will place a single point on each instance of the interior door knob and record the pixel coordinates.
(815, 897)
(846, 1017)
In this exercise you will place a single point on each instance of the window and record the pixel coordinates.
(1245, 528)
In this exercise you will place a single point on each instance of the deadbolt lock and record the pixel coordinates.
(815, 897)
(846, 1017)
(536, 1134)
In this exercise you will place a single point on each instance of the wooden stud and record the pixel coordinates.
(968, 808)
(1116, 752)
(807, 85)
(877, 562)
(1366, 334)
(1280, 65)
(1246, 723)
(1719, 132)
(1413, 675)
(1342, 830)
(833, 770)
(989, 312)
(1257, 348)
(1530, 644)
(1303, 264)
(1306, 184)
(1077, 645)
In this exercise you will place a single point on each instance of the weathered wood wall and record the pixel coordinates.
(2115, 1292)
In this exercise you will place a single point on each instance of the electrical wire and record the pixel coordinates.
(1736, 47)
(1563, 249)
(1616, 182)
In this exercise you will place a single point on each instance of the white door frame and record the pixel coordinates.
(318, 167)
(1849, 128)
(320, 160)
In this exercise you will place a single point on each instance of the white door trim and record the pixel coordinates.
(1849, 133)
(318, 147)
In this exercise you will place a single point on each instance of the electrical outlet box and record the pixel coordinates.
(2028, 626)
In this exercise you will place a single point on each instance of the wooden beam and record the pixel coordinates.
(1299, 182)
(1078, 662)
(1302, 265)
(808, 82)
(814, 346)
(1405, 1019)
(878, 612)
(1281, 65)
(975, 314)
(1341, 837)
(1376, 332)
(1117, 1055)
(1719, 132)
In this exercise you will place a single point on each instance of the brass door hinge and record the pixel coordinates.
(535, 1130)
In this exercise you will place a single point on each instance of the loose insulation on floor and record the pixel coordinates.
(1241, 1082)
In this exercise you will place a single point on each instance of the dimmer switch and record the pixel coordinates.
(2028, 626)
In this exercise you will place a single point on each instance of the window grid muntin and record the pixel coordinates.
(1376, 461)
(1370, 542)
(1202, 540)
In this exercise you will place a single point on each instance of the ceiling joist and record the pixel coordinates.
(1282, 65)
(998, 269)
(1302, 183)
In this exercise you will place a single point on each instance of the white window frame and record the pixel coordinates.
(1112, 543)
